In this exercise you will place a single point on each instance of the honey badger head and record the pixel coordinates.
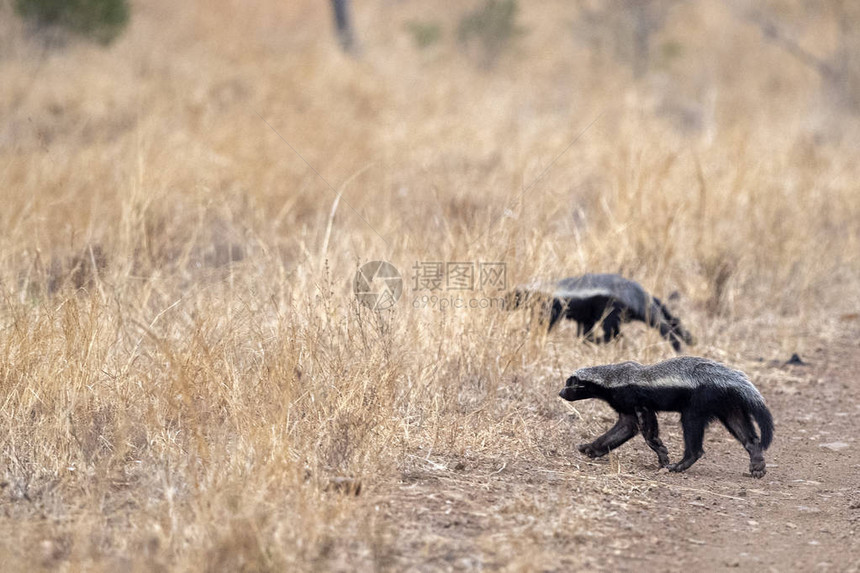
(516, 298)
(527, 295)
(577, 389)
(596, 381)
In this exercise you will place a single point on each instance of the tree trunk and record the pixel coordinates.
(343, 21)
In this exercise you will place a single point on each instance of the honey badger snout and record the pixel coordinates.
(568, 393)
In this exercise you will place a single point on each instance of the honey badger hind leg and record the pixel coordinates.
(669, 326)
(625, 428)
(740, 426)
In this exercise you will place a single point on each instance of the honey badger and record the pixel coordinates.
(605, 299)
(700, 389)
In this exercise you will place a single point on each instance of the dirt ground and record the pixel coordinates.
(560, 511)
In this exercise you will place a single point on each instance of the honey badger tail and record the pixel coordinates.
(764, 420)
(671, 328)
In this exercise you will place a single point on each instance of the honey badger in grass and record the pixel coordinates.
(700, 389)
(603, 299)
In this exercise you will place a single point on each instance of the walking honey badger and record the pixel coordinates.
(700, 389)
(604, 300)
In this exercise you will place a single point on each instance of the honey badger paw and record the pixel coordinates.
(682, 465)
(590, 451)
(758, 470)
(685, 462)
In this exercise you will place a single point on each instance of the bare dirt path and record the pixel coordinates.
(557, 511)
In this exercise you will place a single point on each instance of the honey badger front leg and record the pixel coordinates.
(625, 428)
(651, 432)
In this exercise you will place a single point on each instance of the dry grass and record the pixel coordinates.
(184, 368)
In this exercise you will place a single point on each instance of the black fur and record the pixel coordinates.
(607, 300)
(701, 390)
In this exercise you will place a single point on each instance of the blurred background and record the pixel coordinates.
(136, 125)
(188, 188)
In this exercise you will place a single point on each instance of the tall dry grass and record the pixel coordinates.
(188, 382)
